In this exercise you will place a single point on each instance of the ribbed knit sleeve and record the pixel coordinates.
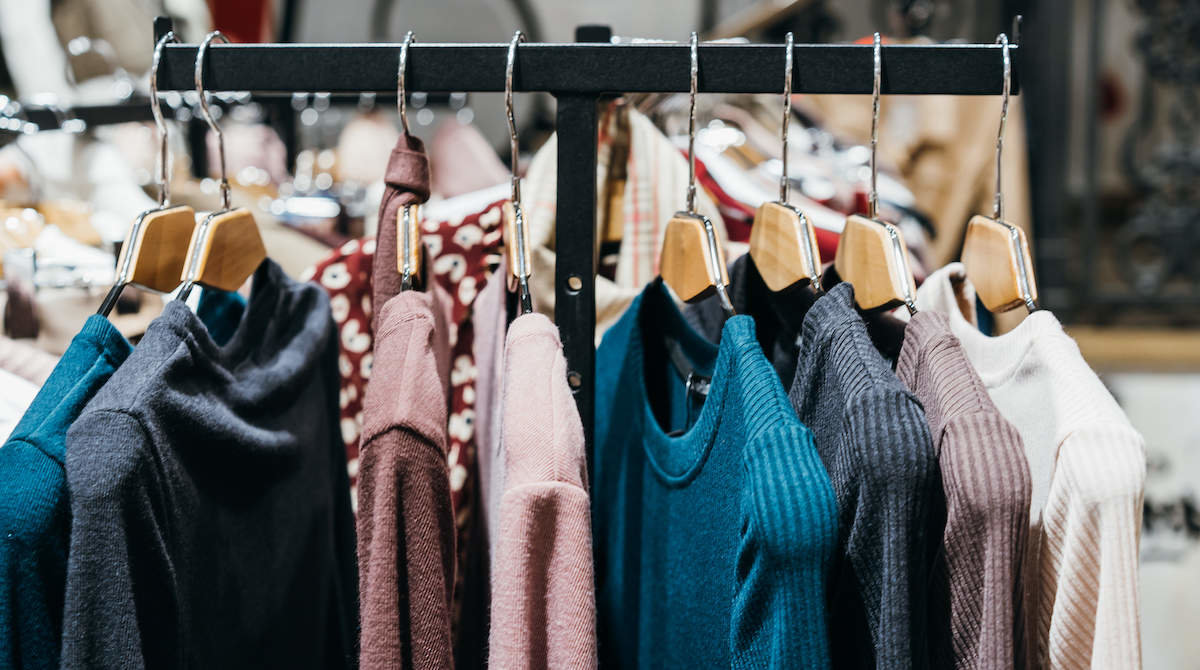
(1088, 609)
(888, 540)
(406, 536)
(789, 532)
(543, 594)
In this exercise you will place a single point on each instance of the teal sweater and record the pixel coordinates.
(35, 515)
(714, 519)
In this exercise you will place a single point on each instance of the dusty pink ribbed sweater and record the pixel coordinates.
(986, 479)
(405, 522)
(543, 599)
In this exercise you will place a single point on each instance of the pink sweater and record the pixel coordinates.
(543, 599)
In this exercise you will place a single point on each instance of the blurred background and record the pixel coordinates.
(1102, 168)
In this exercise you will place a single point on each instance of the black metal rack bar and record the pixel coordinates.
(577, 75)
(52, 118)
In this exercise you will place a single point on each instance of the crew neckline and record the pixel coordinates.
(708, 359)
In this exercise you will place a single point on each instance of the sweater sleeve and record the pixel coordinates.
(789, 533)
(405, 553)
(1088, 605)
(109, 617)
(892, 537)
(987, 485)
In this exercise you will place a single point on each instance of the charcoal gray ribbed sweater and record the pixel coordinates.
(874, 440)
(987, 485)
(211, 523)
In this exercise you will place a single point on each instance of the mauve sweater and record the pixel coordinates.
(986, 480)
(543, 598)
(405, 521)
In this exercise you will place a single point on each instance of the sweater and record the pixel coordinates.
(985, 476)
(714, 524)
(543, 597)
(873, 437)
(35, 516)
(1088, 473)
(211, 523)
(405, 521)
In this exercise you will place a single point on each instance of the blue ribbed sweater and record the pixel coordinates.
(712, 546)
(35, 518)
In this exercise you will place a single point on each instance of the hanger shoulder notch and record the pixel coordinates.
(996, 255)
(872, 256)
(783, 246)
(160, 248)
(687, 258)
(231, 249)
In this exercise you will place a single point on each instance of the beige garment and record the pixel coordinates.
(944, 149)
(655, 188)
(23, 359)
(1088, 469)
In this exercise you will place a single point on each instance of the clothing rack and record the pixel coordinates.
(578, 75)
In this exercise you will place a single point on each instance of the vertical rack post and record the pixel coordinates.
(575, 249)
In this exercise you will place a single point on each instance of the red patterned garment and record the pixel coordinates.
(463, 252)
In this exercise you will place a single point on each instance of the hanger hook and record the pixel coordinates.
(208, 117)
(998, 203)
(510, 68)
(873, 198)
(692, 85)
(401, 97)
(164, 184)
(784, 184)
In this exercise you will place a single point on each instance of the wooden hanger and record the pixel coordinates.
(227, 247)
(995, 252)
(692, 261)
(783, 242)
(156, 249)
(871, 253)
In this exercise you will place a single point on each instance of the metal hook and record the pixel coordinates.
(164, 184)
(692, 85)
(510, 67)
(873, 198)
(521, 271)
(784, 184)
(998, 202)
(207, 114)
(401, 100)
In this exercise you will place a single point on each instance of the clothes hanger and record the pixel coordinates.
(155, 250)
(227, 247)
(871, 254)
(409, 251)
(783, 243)
(995, 252)
(690, 236)
(516, 234)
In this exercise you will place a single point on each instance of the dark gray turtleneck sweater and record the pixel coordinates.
(211, 522)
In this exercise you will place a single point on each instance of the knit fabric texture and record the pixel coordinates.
(543, 594)
(1088, 469)
(211, 523)
(405, 520)
(985, 477)
(35, 516)
(873, 437)
(712, 544)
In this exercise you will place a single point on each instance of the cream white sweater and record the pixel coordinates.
(1089, 468)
